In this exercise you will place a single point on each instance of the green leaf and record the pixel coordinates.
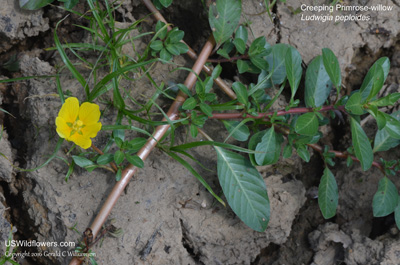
(318, 84)
(303, 153)
(161, 30)
(156, 45)
(206, 109)
(119, 157)
(373, 81)
(241, 33)
(332, 67)
(307, 124)
(241, 92)
(189, 104)
(259, 62)
(216, 72)
(135, 144)
(392, 126)
(268, 149)
(240, 45)
(165, 55)
(354, 104)
(362, 147)
(34, 4)
(165, 3)
(118, 175)
(380, 120)
(276, 62)
(240, 133)
(328, 194)
(224, 17)
(184, 89)
(135, 160)
(385, 199)
(82, 161)
(293, 69)
(244, 189)
(193, 130)
(383, 141)
(69, 4)
(105, 159)
(182, 47)
(397, 215)
(175, 36)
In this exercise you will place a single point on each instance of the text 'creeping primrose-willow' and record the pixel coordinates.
(78, 123)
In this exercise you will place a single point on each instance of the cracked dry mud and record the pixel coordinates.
(166, 215)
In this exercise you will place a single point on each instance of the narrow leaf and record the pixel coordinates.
(241, 92)
(135, 160)
(362, 147)
(374, 79)
(293, 69)
(332, 67)
(328, 194)
(385, 199)
(82, 161)
(244, 188)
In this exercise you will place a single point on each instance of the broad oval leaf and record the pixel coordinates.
(189, 104)
(33, 4)
(318, 83)
(268, 150)
(385, 199)
(392, 126)
(239, 132)
(293, 69)
(82, 161)
(328, 194)
(362, 147)
(241, 33)
(244, 189)
(119, 157)
(105, 159)
(332, 67)
(276, 62)
(224, 17)
(135, 160)
(241, 92)
(354, 104)
(307, 124)
(383, 141)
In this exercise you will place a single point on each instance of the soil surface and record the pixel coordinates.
(166, 215)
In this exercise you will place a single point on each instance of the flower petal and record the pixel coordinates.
(69, 110)
(82, 141)
(63, 129)
(91, 130)
(89, 113)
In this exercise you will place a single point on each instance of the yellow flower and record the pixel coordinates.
(78, 124)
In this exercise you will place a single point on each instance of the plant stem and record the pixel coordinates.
(112, 164)
(226, 116)
(232, 59)
(150, 144)
(191, 53)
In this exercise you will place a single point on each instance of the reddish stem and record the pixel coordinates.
(225, 60)
(226, 116)
(112, 164)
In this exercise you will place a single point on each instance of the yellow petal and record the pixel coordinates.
(91, 130)
(69, 110)
(63, 129)
(89, 113)
(81, 140)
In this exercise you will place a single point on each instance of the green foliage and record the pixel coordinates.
(168, 43)
(244, 189)
(224, 17)
(328, 194)
(264, 129)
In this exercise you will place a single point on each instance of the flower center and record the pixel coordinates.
(76, 127)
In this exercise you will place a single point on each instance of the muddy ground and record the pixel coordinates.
(164, 203)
